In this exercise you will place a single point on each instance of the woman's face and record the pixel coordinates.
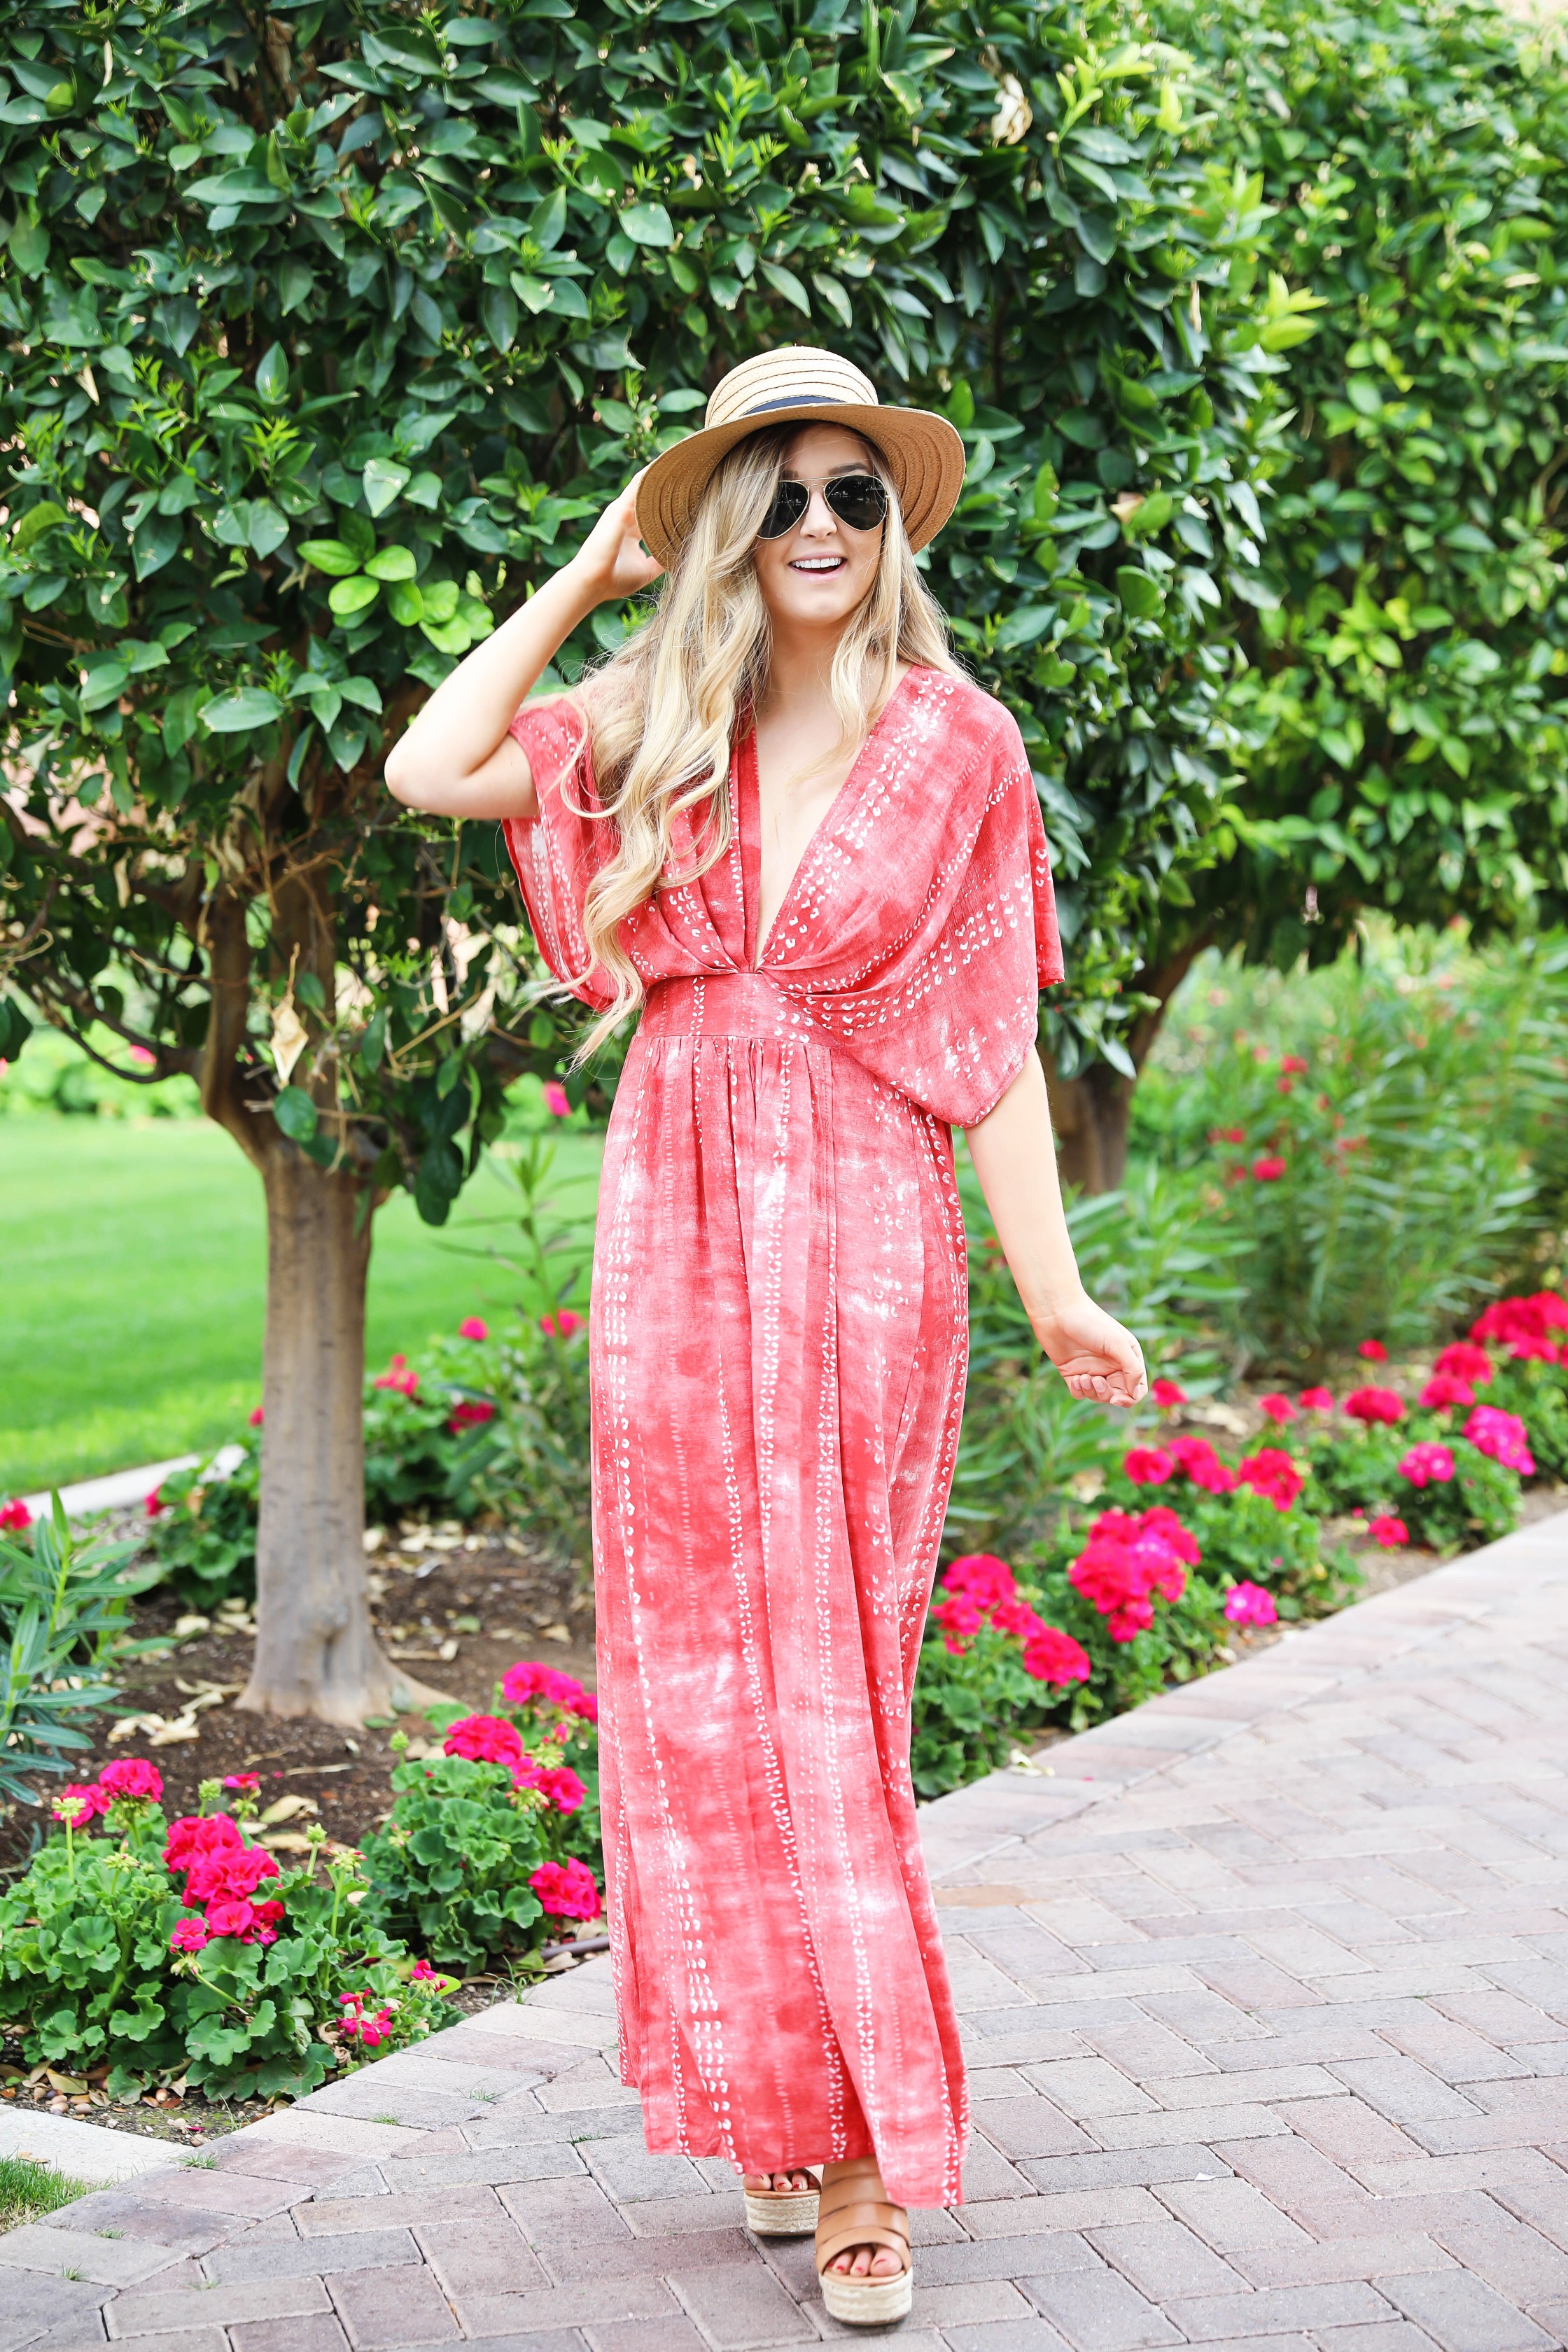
(817, 575)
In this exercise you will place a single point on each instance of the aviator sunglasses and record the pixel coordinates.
(858, 500)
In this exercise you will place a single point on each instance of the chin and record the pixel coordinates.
(834, 602)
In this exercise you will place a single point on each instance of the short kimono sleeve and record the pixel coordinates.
(951, 1015)
(556, 853)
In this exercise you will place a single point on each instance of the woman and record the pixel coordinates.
(784, 823)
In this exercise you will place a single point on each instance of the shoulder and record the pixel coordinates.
(981, 731)
(553, 725)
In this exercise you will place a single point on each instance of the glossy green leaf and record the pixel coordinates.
(239, 712)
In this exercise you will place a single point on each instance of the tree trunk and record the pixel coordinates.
(1091, 1114)
(315, 1653)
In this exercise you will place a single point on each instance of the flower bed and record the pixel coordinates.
(137, 1951)
(181, 1952)
(1185, 1547)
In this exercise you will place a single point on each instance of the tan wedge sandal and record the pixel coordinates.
(784, 2212)
(855, 2211)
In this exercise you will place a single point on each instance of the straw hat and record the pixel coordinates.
(800, 384)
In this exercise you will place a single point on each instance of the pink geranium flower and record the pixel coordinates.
(1124, 1562)
(14, 1515)
(231, 1915)
(1389, 1532)
(1148, 1465)
(555, 1100)
(1202, 1465)
(230, 1870)
(257, 1416)
(398, 1376)
(1250, 1604)
(1271, 1472)
(198, 1835)
(244, 1784)
(1427, 1465)
(471, 1412)
(1316, 1401)
(1279, 1408)
(1052, 1656)
(1374, 1404)
(155, 1503)
(1464, 1361)
(78, 1803)
(1373, 1350)
(529, 1681)
(566, 1890)
(131, 1777)
(1443, 1390)
(560, 1326)
(1294, 1065)
(484, 1739)
(471, 1327)
(564, 1790)
(1228, 1135)
(189, 1934)
(1268, 1168)
(1502, 1436)
(1167, 1393)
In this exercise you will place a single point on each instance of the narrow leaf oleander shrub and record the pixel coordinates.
(1027, 1445)
(1373, 1138)
(177, 1950)
(64, 1617)
(494, 1844)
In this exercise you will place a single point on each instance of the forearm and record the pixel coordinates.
(1014, 1157)
(457, 735)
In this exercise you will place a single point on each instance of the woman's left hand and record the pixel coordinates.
(1097, 1356)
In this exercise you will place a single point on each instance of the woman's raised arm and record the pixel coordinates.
(456, 758)
(1014, 1157)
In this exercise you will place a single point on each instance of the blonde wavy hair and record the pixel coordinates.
(662, 712)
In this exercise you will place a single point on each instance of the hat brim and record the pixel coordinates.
(923, 453)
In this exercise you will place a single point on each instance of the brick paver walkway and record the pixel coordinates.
(1265, 1996)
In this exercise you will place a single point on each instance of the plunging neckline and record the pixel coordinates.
(748, 777)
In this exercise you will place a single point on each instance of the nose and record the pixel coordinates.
(819, 521)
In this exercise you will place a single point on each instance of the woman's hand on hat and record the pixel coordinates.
(1097, 1356)
(612, 560)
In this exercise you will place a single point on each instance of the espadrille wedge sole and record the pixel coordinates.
(855, 2211)
(783, 2212)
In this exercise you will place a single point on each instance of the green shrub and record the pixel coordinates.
(1538, 1392)
(458, 1867)
(1403, 711)
(1361, 1473)
(203, 1530)
(88, 1976)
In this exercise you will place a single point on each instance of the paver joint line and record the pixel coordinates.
(1265, 2003)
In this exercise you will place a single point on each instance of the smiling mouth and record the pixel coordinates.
(820, 565)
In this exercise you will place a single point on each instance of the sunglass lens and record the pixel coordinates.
(789, 504)
(858, 500)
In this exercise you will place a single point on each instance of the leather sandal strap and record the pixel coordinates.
(870, 2210)
(831, 2243)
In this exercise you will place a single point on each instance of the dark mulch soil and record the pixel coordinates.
(458, 1609)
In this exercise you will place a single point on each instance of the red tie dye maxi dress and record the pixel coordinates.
(778, 1340)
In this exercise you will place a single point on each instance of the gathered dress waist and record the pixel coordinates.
(734, 1004)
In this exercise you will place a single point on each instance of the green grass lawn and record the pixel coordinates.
(134, 1288)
